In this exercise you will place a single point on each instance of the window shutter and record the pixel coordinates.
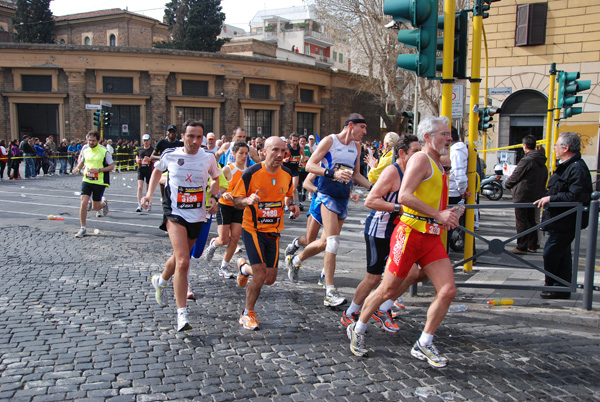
(537, 23)
(522, 25)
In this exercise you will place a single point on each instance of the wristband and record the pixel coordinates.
(397, 207)
(215, 197)
(371, 188)
(292, 204)
(329, 173)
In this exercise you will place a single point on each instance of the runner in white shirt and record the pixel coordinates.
(184, 209)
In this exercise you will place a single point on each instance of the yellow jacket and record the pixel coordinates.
(384, 161)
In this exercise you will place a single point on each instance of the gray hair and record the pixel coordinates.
(572, 140)
(428, 125)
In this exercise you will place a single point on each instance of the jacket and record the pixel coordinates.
(529, 178)
(571, 182)
(459, 157)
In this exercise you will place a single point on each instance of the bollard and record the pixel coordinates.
(590, 256)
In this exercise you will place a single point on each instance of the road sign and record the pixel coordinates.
(458, 101)
(89, 106)
(259, 130)
(500, 91)
(124, 128)
(106, 103)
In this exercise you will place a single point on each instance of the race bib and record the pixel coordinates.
(91, 176)
(189, 197)
(295, 159)
(433, 228)
(339, 166)
(269, 212)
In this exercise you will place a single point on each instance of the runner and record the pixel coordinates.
(339, 154)
(262, 191)
(97, 164)
(225, 156)
(229, 218)
(292, 162)
(416, 239)
(145, 167)
(211, 144)
(170, 141)
(183, 210)
(385, 214)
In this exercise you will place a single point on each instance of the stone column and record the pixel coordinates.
(327, 124)
(231, 112)
(158, 112)
(286, 122)
(79, 123)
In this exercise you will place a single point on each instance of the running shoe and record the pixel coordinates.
(161, 294)
(333, 298)
(190, 293)
(210, 251)
(224, 273)
(182, 322)
(105, 207)
(249, 321)
(385, 318)
(238, 250)
(349, 320)
(292, 216)
(242, 279)
(321, 281)
(301, 207)
(81, 232)
(292, 269)
(357, 341)
(399, 303)
(292, 248)
(89, 207)
(139, 208)
(429, 353)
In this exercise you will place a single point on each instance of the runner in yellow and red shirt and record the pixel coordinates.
(263, 191)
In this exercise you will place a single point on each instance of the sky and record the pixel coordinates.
(237, 12)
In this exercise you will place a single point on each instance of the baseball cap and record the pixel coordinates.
(172, 127)
(210, 135)
(146, 137)
(311, 137)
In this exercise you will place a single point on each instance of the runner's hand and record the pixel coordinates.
(449, 218)
(214, 206)
(146, 202)
(296, 210)
(253, 199)
(343, 175)
(227, 196)
(355, 197)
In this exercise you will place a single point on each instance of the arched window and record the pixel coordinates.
(112, 40)
(62, 42)
(87, 41)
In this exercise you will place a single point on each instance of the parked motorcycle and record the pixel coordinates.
(492, 186)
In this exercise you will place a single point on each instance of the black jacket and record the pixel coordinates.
(529, 178)
(571, 182)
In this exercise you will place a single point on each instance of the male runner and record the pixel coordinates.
(336, 159)
(183, 210)
(144, 167)
(211, 144)
(225, 156)
(292, 162)
(385, 214)
(416, 239)
(170, 141)
(262, 191)
(229, 218)
(98, 163)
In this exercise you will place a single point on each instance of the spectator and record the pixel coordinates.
(527, 184)
(15, 160)
(71, 152)
(28, 154)
(51, 154)
(390, 140)
(3, 158)
(40, 153)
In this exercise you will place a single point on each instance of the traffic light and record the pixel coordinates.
(461, 44)
(486, 117)
(410, 123)
(568, 87)
(98, 118)
(106, 119)
(422, 14)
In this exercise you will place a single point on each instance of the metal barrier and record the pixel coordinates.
(498, 246)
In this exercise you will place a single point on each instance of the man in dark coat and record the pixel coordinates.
(527, 183)
(571, 182)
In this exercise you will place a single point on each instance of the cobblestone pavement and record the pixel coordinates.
(78, 321)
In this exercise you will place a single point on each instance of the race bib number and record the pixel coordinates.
(339, 166)
(295, 159)
(433, 228)
(190, 197)
(91, 176)
(269, 212)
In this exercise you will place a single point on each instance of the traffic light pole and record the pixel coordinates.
(448, 59)
(554, 137)
(549, 118)
(473, 130)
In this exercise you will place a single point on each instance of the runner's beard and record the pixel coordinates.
(442, 151)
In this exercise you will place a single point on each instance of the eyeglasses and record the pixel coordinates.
(447, 168)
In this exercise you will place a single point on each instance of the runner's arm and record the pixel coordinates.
(146, 200)
(389, 181)
(357, 176)
(308, 183)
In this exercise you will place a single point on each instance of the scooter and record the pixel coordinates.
(492, 186)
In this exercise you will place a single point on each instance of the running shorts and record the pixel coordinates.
(144, 173)
(96, 191)
(338, 206)
(226, 215)
(315, 211)
(409, 246)
(193, 229)
(377, 254)
(261, 247)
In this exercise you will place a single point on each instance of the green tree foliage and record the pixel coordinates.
(34, 22)
(194, 25)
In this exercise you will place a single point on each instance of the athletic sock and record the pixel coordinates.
(245, 311)
(243, 269)
(83, 227)
(295, 243)
(182, 310)
(360, 328)
(386, 305)
(329, 287)
(354, 308)
(296, 260)
(161, 281)
(224, 264)
(425, 339)
(323, 272)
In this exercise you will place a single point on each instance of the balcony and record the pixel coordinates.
(322, 61)
(317, 38)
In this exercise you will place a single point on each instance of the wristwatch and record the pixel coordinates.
(397, 207)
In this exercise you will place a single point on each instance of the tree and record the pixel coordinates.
(194, 25)
(34, 22)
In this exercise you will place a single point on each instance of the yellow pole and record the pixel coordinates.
(555, 134)
(550, 115)
(473, 118)
(485, 100)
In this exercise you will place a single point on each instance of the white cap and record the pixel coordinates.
(391, 139)
(210, 135)
(311, 137)
(283, 138)
(146, 137)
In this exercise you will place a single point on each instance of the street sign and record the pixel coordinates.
(259, 130)
(458, 101)
(105, 103)
(500, 91)
(89, 106)
(124, 128)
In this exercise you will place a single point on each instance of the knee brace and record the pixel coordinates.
(333, 243)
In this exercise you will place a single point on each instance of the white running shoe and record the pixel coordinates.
(81, 232)
(160, 295)
(333, 298)
(182, 322)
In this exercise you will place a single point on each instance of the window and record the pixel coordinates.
(307, 50)
(112, 40)
(87, 41)
(117, 85)
(194, 88)
(259, 120)
(306, 95)
(36, 83)
(62, 42)
(334, 56)
(341, 58)
(531, 24)
(124, 123)
(259, 91)
(305, 121)
(197, 113)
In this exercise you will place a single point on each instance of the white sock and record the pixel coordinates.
(182, 310)
(245, 311)
(243, 270)
(296, 260)
(425, 339)
(360, 328)
(386, 305)
(329, 287)
(354, 308)
(161, 281)
(295, 243)
(83, 227)
(224, 264)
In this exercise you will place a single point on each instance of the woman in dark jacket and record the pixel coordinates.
(15, 160)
